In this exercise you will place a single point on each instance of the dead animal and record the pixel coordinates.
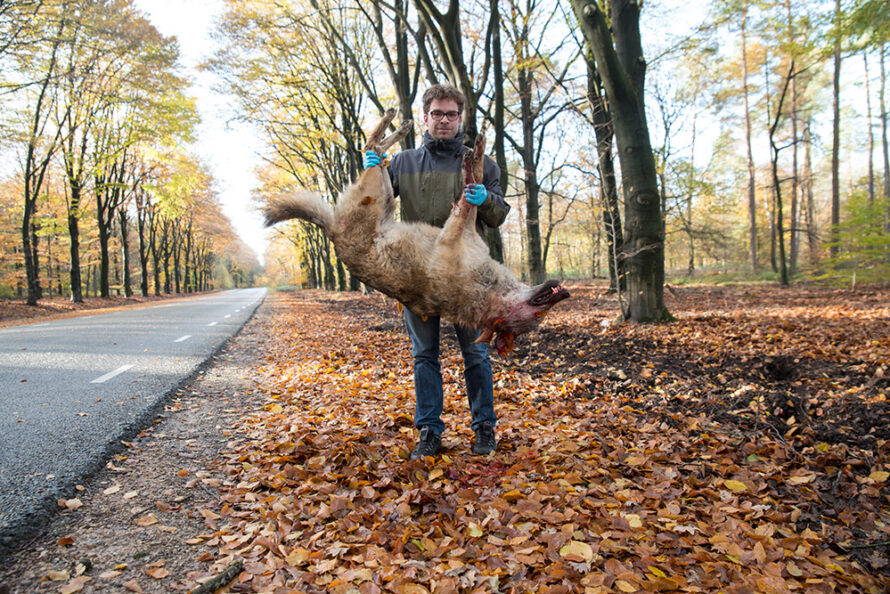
(443, 272)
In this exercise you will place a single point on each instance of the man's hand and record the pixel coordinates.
(371, 159)
(476, 194)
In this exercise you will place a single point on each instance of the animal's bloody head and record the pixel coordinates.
(520, 312)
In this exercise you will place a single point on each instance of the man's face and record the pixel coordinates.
(442, 128)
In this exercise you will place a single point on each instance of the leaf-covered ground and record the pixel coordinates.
(741, 449)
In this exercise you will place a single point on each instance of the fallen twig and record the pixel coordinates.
(217, 582)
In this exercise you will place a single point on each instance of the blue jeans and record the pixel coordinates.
(428, 376)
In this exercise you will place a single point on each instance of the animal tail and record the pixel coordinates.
(304, 205)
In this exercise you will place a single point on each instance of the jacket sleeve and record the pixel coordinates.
(494, 210)
(392, 170)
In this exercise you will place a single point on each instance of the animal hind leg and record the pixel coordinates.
(378, 131)
(376, 141)
(400, 133)
(462, 221)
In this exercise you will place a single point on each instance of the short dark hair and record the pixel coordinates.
(443, 92)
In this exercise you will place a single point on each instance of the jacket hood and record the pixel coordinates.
(454, 146)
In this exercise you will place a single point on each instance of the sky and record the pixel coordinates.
(228, 148)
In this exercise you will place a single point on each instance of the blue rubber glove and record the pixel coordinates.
(371, 159)
(476, 193)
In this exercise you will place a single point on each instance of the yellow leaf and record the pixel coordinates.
(274, 408)
(577, 551)
(625, 586)
(735, 486)
(58, 576)
(634, 461)
(759, 553)
(793, 569)
(436, 473)
(657, 572)
(634, 520)
(474, 530)
(879, 476)
(513, 496)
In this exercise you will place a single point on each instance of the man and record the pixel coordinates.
(429, 180)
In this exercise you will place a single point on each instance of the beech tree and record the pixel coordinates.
(622, 68)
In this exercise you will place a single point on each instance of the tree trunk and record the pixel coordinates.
(780, 231)
(871, 135)
(884, 116)
(536, 264)
(403, 70)
(795, 202)
(104, 266)
(74, 247)
(165, 255)
(36, 167)
(622, 68)
(602, 127)
(836, 140)
(752, 203)
(141, 215)
(125, 252)
(812, 231)
(177, 253)
(494, 239)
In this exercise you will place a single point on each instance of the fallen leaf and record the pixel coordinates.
(801, 480)
(158, 573)
(576, 550)
(625, 586)
(735, 486)
(75, 585)
(71, 504)
(148, 520)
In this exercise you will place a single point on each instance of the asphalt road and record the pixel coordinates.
(72, 389)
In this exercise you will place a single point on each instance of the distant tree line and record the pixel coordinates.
(104, 199)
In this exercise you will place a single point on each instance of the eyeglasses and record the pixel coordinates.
(450, 115)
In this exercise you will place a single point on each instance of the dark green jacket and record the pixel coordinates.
(430, 179)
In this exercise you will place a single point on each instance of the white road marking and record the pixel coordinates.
(213, 323)
(108, 376)
(183, 338)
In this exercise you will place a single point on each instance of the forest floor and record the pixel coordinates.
(742, 448)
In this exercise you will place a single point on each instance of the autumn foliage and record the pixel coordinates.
(742, 448)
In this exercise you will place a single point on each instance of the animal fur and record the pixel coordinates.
(443, 272)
